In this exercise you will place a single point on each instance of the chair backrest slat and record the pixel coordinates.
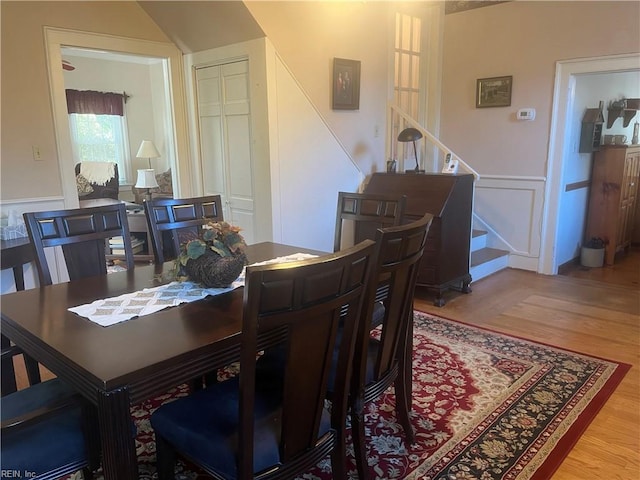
(359, 215)
(82, 234)
(298, 307)
(170, 219)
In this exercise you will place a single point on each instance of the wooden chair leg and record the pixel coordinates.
(403, 384)
(339, 458)
(7, 375)
(359, 440)
(403, 408)
(33, 370)
(165, 459)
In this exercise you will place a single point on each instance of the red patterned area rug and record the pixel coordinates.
(485, 406)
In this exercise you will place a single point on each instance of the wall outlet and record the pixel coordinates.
(37, 155)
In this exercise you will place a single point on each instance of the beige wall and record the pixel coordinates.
(308, 35)
(524, 39)
(27, 117)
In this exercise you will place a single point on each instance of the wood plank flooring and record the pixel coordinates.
(594, 311)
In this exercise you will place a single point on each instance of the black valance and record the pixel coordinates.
(99, 103)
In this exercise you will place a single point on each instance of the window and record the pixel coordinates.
(99, 129)
(406, 85)
(407, 63)
(100, 138)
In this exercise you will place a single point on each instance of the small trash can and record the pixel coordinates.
(592, 257)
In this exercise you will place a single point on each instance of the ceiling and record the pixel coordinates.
(196, 26)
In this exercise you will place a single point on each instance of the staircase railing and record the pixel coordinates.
(433, 150)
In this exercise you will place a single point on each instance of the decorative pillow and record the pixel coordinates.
(84, 187)
(164, 182)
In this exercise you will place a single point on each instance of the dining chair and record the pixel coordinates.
(381, 362)
(169, 219)
(276, 424)
(359, 215)
(82, 233)
(7, 371)
(48, 431)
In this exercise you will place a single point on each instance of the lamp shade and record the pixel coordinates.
(146, 179)
(147, 150)
(409, 135)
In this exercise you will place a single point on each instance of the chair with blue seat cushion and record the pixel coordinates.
(277, 424)
(380, 363)
(48, 431)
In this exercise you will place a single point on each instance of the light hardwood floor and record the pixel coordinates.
(594, 311)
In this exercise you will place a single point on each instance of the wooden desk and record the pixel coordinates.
(117, 366)
(445, 263)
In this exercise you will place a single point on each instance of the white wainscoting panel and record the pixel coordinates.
(512, 208)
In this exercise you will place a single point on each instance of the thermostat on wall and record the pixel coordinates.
(526, 114)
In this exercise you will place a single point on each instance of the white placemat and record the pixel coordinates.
(131, 305)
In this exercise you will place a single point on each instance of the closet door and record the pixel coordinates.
(225, 140)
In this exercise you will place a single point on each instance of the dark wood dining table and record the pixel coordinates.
(120, 365)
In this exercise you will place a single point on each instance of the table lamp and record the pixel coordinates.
(147, 180)
(147, 150)
(411, 135)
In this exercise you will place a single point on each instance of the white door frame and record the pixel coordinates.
(562, 104)
(55, 39)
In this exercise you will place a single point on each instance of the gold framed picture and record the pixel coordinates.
(493, 92)
(346, 84)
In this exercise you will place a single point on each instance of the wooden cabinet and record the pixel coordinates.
(449, 198)
(613, 197)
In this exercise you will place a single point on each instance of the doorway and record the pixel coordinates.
(174, 107)
(559, 142)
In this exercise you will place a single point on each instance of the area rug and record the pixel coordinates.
(485, 406)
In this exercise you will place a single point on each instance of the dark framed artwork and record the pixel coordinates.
(493, 92)
(346, 84)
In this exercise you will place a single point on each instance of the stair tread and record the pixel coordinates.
(486, 254)
(477, 233)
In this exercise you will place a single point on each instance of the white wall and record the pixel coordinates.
(299, 164)
(310, 169)
(589, 90)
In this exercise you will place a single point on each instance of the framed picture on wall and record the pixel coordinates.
(346, 84)
(493, 92)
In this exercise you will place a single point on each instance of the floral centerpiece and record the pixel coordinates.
(214, 257)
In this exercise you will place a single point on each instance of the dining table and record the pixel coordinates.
(117, 366)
